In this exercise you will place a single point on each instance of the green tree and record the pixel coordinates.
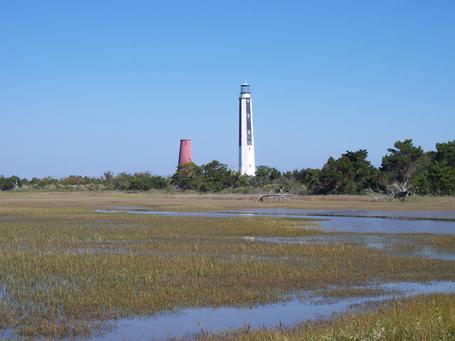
(122, 181)
(108, 180)
(47, 182)
(352, 173)
(266, 175)
(144, 181)
(76, 180)
(216, 177)
(140, 182)
(188, 177)
(445, 152)
(403, 161)
(310, 178)
(441, 178)
(7, 184)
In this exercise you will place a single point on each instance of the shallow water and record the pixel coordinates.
(7, 218)
(3, 292)
(385, 225)
(421, 214)
(430, 252)
(433, 222)
(376, 242)
(191, 321)
(384, 242)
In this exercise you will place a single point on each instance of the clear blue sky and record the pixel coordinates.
(87, 86)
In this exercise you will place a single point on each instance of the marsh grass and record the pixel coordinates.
(66, 269)
(203, 202)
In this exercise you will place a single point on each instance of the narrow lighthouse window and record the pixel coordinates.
(249, 138)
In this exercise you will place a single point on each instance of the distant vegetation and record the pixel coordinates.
(405, 169)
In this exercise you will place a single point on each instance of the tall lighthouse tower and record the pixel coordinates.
(247, 164)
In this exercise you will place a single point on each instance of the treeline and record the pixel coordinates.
(143, 181)
(405, 167)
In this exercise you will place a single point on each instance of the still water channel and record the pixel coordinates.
(360, 221)
(188, 322)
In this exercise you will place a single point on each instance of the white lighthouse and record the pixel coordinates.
(247, 164)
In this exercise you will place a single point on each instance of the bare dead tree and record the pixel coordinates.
(378, 195)
(400, 190)
(280, 196)
(396, 190)
(15, 185)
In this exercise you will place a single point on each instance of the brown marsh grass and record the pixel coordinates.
(197, 202)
